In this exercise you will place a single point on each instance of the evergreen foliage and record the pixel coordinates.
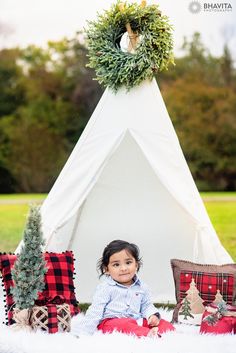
(30, 266)
(213, 318)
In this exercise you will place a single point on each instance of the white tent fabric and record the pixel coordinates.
(127, 179)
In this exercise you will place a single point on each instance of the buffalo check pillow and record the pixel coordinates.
(59, 284)
(208, 279)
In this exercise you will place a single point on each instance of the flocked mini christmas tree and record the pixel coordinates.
(30, 266)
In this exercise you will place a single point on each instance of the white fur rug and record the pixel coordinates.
(186, 339)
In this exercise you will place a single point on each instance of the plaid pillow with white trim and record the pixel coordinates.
(59, 284)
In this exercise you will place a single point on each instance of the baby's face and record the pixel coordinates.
(122, 267)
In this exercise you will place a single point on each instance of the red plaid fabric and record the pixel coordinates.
(6, 264)
(52, 319)
(207, 284)
(58, 281)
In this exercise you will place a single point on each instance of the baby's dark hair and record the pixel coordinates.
(114, 247)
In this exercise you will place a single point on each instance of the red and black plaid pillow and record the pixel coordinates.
(59, 284)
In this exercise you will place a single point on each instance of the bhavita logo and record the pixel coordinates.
(196, 7)
(219, 7)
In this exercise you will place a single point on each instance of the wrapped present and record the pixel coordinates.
(52, 315)
(219, 319)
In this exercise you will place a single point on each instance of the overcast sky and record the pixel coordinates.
(24, 22)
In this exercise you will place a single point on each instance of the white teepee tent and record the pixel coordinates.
(127, 179)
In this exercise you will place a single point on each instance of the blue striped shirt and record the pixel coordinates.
(114, 300)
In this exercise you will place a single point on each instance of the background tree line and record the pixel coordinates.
(48, 94)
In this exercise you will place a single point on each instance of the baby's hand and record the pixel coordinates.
(153, 321)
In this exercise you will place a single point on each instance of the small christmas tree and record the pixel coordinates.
(185, 309)
(218, 297)
(194, 299)
(30, 266)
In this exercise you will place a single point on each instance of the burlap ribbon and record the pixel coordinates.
(22, 319)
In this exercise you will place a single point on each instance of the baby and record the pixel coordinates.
(122, 301)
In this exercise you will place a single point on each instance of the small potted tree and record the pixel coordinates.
(29, 269)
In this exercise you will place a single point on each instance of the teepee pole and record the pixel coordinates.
(133, 37)
(76, 223)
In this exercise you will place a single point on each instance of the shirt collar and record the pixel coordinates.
(111, 281)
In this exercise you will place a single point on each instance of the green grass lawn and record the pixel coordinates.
(218, 194)
(223, 217)
(17, 197)
(12, 220)
(13, 213)
(221, 208)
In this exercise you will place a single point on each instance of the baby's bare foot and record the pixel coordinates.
(154, 332)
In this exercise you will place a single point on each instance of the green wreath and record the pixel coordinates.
(115, 68)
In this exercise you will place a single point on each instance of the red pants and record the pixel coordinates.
(130, 326)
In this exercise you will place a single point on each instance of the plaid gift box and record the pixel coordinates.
(221, 322)
(58, 280)
(51, 317)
